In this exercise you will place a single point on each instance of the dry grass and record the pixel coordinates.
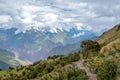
(113, 47)
(109, 36)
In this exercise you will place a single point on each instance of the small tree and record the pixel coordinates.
(88, 46)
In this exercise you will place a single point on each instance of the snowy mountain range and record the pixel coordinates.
(37, 44)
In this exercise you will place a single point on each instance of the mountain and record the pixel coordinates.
(34, 45)
(8, 59)
(87, 63)
(110, 35)
(62, 50)
(110, 41)
(4, 65)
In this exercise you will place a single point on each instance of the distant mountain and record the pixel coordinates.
(8, 59)
(34, 45)
(4, 65)
(62, 50)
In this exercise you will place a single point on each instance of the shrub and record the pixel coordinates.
(73, 57)
(107, 70)
(67, 73)
(89, 46)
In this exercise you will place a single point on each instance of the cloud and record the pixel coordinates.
(51, 15)
(50, 18)
(5, 19)
(28, 13)
(78, 35)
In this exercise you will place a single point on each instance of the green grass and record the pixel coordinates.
(4, 72)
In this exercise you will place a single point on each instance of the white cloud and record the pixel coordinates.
(59, 14)
(28, 13)
(5, 18)
(79, 26)
(30, 8)
(78, 35)
(67, 20)
(50, 18)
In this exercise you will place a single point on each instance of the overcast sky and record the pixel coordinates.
(24, 15)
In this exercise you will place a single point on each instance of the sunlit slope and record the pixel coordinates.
(110, 35)
(8, 59)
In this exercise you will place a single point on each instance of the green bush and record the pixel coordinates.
(73, 57)
(89, 47)
(41, 68)
(67, 73)
(107, 71)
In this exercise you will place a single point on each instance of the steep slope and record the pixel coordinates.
(4, 65)
(110, 41)
(8, 59)
(110, 35)
(112, 47)
(54, 68)
(108, 57)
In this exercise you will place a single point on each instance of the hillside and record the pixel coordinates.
(110, 35)
(112, 47)
(54, 68)
(8, 59)
(106, 64)
(110, 41)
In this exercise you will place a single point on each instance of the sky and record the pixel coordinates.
(95, 15)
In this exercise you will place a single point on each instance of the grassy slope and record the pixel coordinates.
(8, 59)
(110, 40)
(54, 68)
(3, 65)
(113, 46)
(109, 36)
(110, 50)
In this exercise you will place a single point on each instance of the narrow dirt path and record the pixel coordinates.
(90, 75)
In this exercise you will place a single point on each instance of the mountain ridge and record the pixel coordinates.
(35, 45)
(110, 35)
(8, 59)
